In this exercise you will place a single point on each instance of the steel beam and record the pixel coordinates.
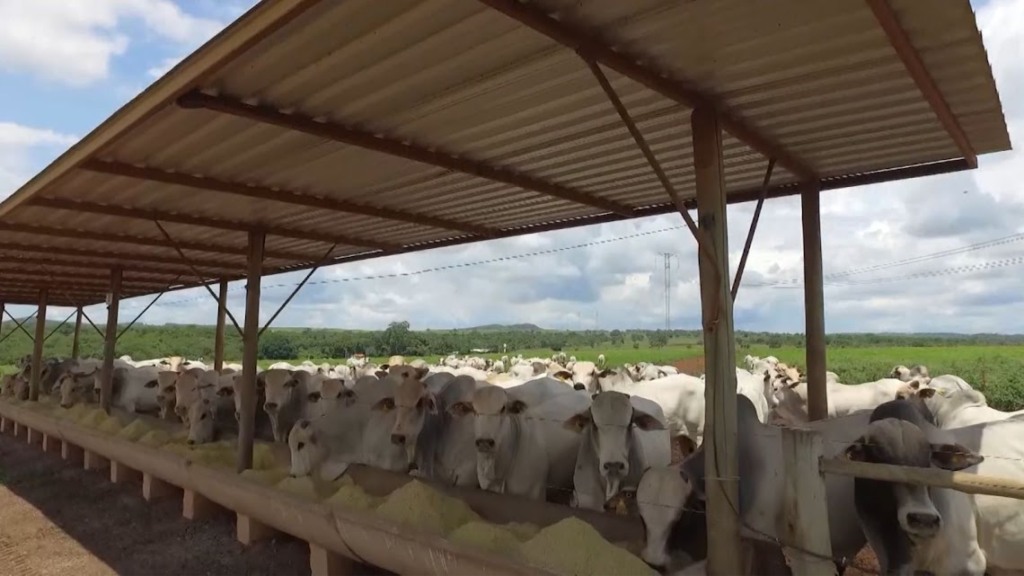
(250, 352)
(75, 342)
(904, 48)
(191, 220)
(284, 196)
(218, 342)
(814, 304)
(37, 348)
(110, 340)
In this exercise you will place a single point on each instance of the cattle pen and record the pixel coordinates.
(311, 133)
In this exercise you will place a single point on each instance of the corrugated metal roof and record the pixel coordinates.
(389, 127)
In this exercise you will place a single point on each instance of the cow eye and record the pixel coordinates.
(300, 445)
(387, 404)
(291, 383)
(313, 397)
(203, 416)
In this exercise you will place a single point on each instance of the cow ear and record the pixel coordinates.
(857, 451)
(381, 374)
(645, 421)
(383, 368)
(578, 422)
(516, 407)
(150, 384)
(686, 445)
(562, 375)
(925, 393)
(605, 373)
(430, 403)
(954, 457)
(422, 372)
(792, 383)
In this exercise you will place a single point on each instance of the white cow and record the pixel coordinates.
(671, 499)
(133, 389)
(621, 436)
(961, 408)
(434, 426)
(681, 398)
(986, 449)
(843, 399)
(524, 450)
(648, 371)
(287, 398)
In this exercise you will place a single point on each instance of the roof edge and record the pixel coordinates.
(250, 28)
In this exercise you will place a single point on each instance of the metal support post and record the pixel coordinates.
(75, 344)
(720, 435)
(37, 348)
(110, 340)
(250, 339)
(814, 302)
(218, 341)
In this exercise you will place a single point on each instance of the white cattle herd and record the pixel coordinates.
(602, 438)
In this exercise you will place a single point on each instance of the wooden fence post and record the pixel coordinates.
(806, 532)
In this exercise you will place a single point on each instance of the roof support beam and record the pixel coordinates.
(190, 220)
(592, 48)
(394, 147)
(104, 262)
(84, 280)
(130, 261)
(276, 195)
(141, 241)
(925, 83)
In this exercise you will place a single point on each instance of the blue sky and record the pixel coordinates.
(65, 66)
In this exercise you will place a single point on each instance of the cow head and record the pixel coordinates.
(496, 421)
(186, 391)
(201, 416)
(281, 390)
(671, 502)
(413, 402)
(907, 508)
(306, 451)
(609, 423)
(76, 388)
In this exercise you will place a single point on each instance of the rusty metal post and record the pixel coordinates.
(218, 339)
(75, 343)
(814, 303)
(251, 340)
(37, 348)
(720, 434)
(110, 340)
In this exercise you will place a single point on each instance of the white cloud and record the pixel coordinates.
(17, 143)
(163, 67)
(72, 42)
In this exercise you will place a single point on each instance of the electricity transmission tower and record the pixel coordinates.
(667, 257)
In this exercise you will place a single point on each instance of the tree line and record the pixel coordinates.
(197, 341)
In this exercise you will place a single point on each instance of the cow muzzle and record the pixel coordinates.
(398, 439)
(485, 445)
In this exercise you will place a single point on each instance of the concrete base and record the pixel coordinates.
(93, 461)
(153, 488)
(249, 531)
(119, 473)
(20, 431)
(323, 562)
(195, 506)
(34, 437)
(71, 453)
(6, 426)
(51, 444)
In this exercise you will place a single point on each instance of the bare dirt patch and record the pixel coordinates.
(58, 519)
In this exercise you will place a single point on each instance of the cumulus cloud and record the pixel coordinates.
(17, 145)
(73, 42)
(900, 257)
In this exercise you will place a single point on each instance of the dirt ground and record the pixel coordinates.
(58, 519)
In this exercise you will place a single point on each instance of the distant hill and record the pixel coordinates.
(504, 328)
